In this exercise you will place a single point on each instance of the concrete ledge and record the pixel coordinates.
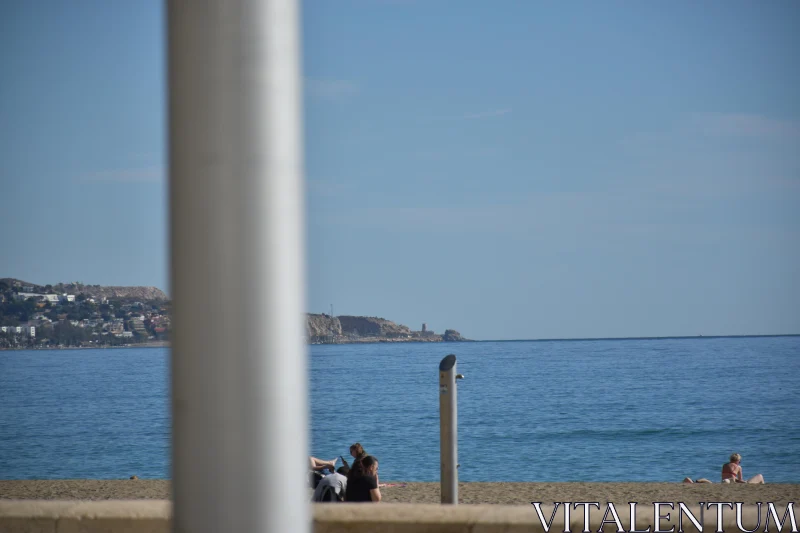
(423, 518)
(155, 516)
(426, 518)
(44, 516)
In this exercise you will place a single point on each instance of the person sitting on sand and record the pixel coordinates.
(357, 451)
(332, 488)
(362, 481)
(732, 472)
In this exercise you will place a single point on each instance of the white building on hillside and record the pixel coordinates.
(30, 331)
(26, 295)
(52, 298)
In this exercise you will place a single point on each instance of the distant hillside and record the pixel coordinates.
(13, 283)
(91, 291)
(96, 291)
(369, 326)
(320, 328)
(344, 329)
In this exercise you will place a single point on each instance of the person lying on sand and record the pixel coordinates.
(319, 464)
(700, 480)
(318, 470)
(732, 472)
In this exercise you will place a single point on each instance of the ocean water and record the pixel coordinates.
(594, 410)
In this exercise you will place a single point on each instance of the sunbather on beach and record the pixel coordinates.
(732, 472)
(319, 464)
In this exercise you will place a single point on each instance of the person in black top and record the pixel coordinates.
(362, 481)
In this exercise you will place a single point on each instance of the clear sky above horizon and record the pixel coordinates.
(507, 169)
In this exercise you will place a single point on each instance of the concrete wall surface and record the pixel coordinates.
(154, 516)
(110, 516)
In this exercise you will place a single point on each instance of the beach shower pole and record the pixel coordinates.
(239, 433)
(448, 429)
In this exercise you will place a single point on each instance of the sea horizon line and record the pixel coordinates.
(668, 337)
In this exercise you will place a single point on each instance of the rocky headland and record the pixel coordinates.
(326, 329)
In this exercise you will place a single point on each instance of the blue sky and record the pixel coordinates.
(508, 169)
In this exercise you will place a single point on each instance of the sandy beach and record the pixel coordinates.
(469, 493)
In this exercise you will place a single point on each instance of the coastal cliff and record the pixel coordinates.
(325, 329)
(322, 328)
(367, 326)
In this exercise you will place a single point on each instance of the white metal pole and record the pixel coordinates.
(237, 271)
(448, 430)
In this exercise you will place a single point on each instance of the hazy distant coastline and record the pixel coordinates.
(75, 315)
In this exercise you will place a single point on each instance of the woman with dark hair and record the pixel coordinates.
(362, 481)
(357, 451)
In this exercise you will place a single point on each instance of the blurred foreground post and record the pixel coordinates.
(237, 270)
(448, 429)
